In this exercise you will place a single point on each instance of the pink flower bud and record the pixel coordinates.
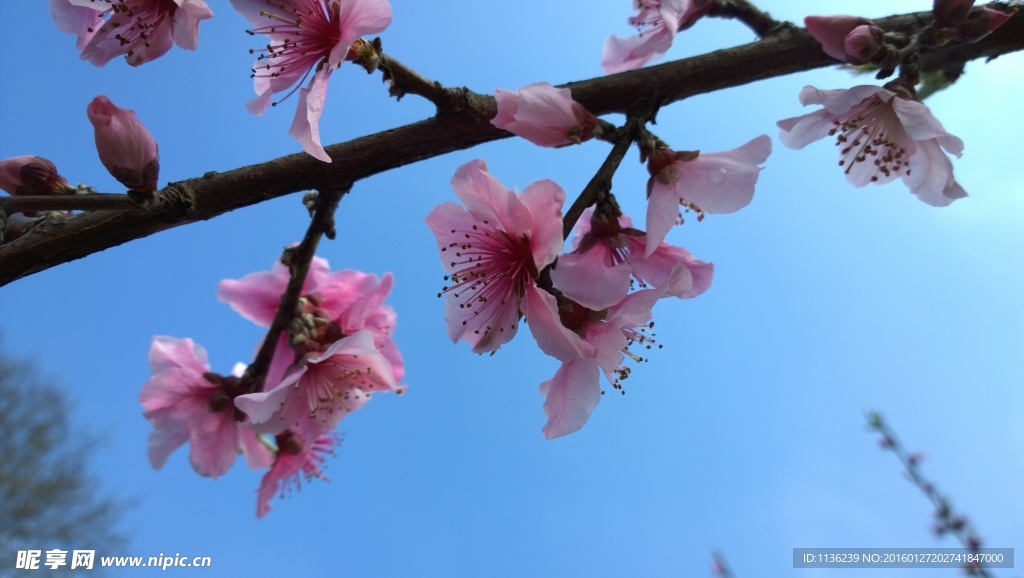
(951, 12)
(980, 22)
(31, 175)
(864, 44)
(544, 115)
(831, 32)
(125, 146)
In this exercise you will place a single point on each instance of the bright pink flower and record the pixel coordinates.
(494, 249)
(544, 115)
(658, 22)
(323, 389)
(881, 135)
(186, 403)
(609, 255)
(708, 183)
(298, 456)
(125, 147)
(587, 343)
(141, 30)
(306, 36)
(847, 38)
(347, 300)
(32, 175)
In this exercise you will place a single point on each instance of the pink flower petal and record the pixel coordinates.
(306, 124)
(591, 279)
(572, 394)
(544, 200)
(552, 337)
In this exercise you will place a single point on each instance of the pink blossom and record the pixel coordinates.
(705, 183)
(881, 134)
(306, 36)
(32, 175)
(658, 22)
(125, 147)
(847, 38)
(141, 30)
(186, 403)
(609, 255)
(298, 456)
(544, 115)
(323, 389)
(344, 302)
(587, 343)
(493, 249)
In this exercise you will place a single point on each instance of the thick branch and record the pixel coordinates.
(464, 126)
(66, 203)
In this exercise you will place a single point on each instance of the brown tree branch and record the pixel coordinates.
(466, 125)
(298, 259)
(95, 202)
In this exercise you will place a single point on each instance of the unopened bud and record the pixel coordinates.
(865, 44)
(32, 175)
(125, 147)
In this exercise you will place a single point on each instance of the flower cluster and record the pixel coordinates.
(337, 352)
(593, 305)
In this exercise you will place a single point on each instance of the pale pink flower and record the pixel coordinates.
(32, 175)
(125, 147)
(298, 456)
(141, 30)
(587, 343)
(306, 36)
(609, 255)
(706, 183)
(323, 389)
(186, 403)
(494, 250)
(544, 115)
(881, 135)
(847, 38)
(347, 300)
(658, 22)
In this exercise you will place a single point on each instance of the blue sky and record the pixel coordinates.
(746, 433)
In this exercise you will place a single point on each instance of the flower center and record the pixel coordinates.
(873, 135)
(641, 337)
(300, 39)
(649, 17)
(136, 19)
(493, 269)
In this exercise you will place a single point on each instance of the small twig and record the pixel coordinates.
(98, 202)
(404, 80)
(298, 259)
(947, 519)
(602, 181)
(760, 22)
